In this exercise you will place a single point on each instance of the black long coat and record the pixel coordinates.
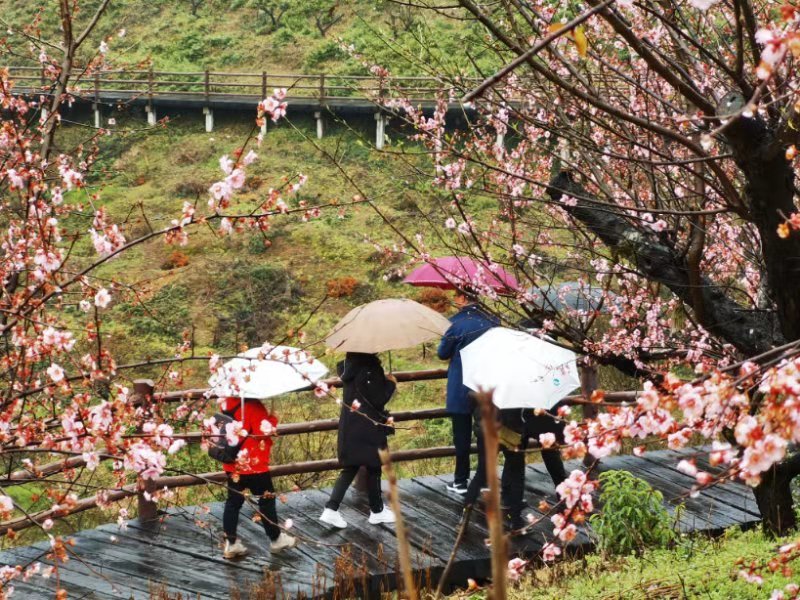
(360, 438)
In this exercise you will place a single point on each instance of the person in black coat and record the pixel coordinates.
(363, 430)
(517, 427)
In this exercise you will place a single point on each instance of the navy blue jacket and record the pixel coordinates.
(467, 325)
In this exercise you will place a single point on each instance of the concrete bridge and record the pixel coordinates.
(321, 96)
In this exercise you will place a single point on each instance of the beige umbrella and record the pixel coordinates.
(386, 325)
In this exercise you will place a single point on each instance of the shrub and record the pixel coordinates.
(189, 155)
(253, 183)
(162, 316)
(248, 301)
(175, 260)
(342, 287)
(258, 244)
(327, 51)
(191, 188)
(632, 517)
(438, 300)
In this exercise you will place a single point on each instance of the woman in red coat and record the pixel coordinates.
(251, 472)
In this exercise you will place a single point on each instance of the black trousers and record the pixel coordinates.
(512, 479)
(462, 440)
(346, 478)
(259, 484)
(534, 427)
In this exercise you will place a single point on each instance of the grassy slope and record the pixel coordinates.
(698, 568)
(235, 36)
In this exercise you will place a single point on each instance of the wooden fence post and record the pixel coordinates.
(494, 516)
(588, 375)
(321, 88)
(148, 510)
(207, 86)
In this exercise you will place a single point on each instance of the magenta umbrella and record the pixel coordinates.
(451, 272)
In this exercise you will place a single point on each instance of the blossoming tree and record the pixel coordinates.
(647, 150)
(62, 411)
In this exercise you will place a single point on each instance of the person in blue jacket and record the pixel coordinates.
(467, 325)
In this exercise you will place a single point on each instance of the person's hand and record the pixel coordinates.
(391, 378)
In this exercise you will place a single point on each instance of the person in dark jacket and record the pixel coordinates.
(467, 325)
(530, 426)
(517, 427)
(363, 430)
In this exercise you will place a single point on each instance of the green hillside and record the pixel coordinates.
(277, 36)
(246, 288)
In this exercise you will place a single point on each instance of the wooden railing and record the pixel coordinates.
(214, 85)
(147, 509)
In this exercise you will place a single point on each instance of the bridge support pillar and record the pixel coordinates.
(209, 118)
(264, 126)
(380, 130)
(151, 114)
(96, 110)
(500, 140)
(320, 124)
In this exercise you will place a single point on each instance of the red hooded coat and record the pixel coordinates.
(257, 445)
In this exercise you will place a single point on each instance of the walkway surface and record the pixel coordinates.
(182, 554)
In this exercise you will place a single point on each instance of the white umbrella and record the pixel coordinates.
(386, 325)
(523, 371)
(265, 372)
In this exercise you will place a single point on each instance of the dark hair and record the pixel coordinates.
(469, 292)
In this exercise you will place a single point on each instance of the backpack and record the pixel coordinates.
(218, 448)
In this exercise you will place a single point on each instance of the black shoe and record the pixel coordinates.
(518, 524)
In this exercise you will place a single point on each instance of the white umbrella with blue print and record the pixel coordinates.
(521, 370)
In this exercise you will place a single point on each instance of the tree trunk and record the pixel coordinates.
(751, 332)
(770, 197)
(774, 499)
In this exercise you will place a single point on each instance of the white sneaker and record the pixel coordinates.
(283, 542)
(234, 550)
(385, 516)
(457, 488)
(333, 517)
